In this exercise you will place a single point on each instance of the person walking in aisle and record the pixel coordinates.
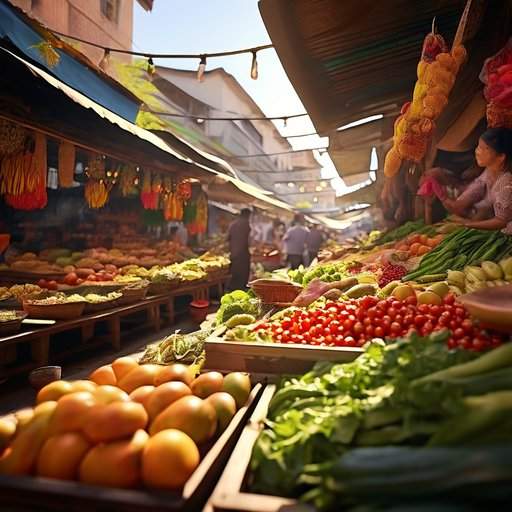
(238, 238)
(314, 241)
(295, 241)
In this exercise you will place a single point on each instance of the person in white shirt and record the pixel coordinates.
(295, 241)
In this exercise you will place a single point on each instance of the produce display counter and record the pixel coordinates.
(39, 337)
(271, 359)
(48, 494)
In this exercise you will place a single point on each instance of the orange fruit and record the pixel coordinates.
(423, 250)
(164, 395)
(168, 459)
(225, 408)
(83, 385)
(116, 420)
(8, 425)
(21, 456)
(143, 375)
(104, 375)
(123, 365)
(54, 391)
(114, 464)
(238, 385)
(141, 395)
(174, 372)
(207, 384)
(107, 394)
(61, 455)
(190, 414)
(71, 412)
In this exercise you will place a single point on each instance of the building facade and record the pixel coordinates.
(105, 22)
(293, 177)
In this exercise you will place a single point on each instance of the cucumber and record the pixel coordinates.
(432, 278)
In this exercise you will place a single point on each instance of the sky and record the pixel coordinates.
(205, 26)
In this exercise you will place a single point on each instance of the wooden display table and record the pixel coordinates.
(39, 338)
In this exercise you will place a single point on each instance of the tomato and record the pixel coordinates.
(396, 304)
(391, 312)
(467, 325)
(379, 332)
(408, 320)
(460, 312)
(479, 344)
(358, 328)
(42, 283)
(449, 299)
(368, 301)
(436, 310)
(348, 324)
(423, 308)
(420, 320)
(52, 285)
(395, 328)
(329, 339)
(459, 333)
(399, 319)
(79, 281)
(349, 340)
(411, 301)
(91, 277)
(286, 324)
(369, 330)
(367, 321)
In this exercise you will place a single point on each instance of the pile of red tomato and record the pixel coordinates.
(352, 323)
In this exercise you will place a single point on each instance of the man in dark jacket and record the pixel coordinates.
(238, 238)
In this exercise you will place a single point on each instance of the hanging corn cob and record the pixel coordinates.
(437, 71)
(96, 191)
(127, 180)
(12, 138)
(67, 153)
(23, 176)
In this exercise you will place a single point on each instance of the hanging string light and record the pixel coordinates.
(151, 68)
(254, 66)
(201, 68)
(105, 60)
(285, 121)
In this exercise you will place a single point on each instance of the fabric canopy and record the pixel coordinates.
(353, 58)
(26, 34)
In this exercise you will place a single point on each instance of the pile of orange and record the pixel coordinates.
(418, 245)
(129, 425)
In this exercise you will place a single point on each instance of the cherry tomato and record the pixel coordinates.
(379, 332)
(449, 299)
(358, 328)
(411, 301)
(369, 330)
(459, 333)
(420, 320)
(395, 328)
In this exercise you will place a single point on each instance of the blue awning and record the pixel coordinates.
(68, 70)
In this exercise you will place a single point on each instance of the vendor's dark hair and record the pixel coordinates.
(500, 139)
(245, 212)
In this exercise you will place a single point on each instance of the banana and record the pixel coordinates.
(474, 274)
(491, 270)
(456, 278)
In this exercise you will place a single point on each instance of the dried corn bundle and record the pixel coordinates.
(67, 154)
(12, 138)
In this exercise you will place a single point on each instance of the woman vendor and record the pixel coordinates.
(486, 202)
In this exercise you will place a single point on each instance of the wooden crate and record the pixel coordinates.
(229, 494)
(271, 358)
(43, 494)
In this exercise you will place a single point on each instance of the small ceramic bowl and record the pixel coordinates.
(39, 377)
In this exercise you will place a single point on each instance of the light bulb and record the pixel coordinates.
(201, 69)
(105, 60)
(254, 67)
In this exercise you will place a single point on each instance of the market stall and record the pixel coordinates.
(377, 377)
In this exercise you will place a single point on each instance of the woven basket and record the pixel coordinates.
(67, 311)
(12, 326)
(280, 292)
(100, 306)
(131, 295)
(163, 288)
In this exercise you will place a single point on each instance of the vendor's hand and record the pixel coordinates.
(459, 220)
